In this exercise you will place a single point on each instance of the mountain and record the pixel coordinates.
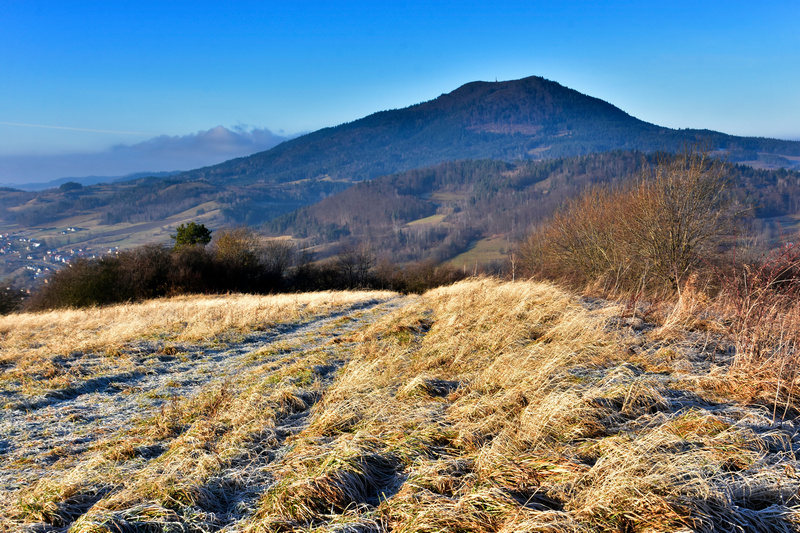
(527, 119)
(531, 118)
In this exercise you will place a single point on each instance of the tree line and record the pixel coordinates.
(235, 260)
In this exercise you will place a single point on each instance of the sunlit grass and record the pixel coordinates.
(33, 346)
(486, 406)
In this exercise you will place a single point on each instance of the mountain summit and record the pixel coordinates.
(531, 106)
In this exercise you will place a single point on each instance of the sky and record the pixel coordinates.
(81, 81)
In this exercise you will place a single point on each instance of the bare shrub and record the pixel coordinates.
(420, 277)
(656, 232)
(761, 302)
(354, 264)
(145, 271)
(192, 269)
(11, 299)
(583, 241)
(276, 256)
(677, 214)
(85, 283)
(239, 260)
(236, 252)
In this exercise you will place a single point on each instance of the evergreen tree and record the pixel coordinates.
(191, 234)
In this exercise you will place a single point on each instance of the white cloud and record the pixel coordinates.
(163, 153)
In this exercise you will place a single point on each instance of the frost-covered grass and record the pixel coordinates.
(484, 406)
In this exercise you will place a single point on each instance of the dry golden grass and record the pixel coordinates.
(188, 318)
(481, 407)
(182, 466)
(33, 346)
(495, 406)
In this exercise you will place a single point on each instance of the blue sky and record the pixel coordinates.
(124, 72)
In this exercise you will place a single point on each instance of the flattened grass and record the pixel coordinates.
(36, 347)
(197, 462)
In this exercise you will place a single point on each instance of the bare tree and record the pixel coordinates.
(660, 229)
(276, 256)
(237, 246)
(354, 263)
(252, 261)
(678, 212)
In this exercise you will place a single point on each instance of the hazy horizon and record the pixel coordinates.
(159, 154)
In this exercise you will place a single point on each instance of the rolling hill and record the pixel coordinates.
(527, 119)
(531, 118)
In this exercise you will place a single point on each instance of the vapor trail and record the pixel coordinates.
(75, 129)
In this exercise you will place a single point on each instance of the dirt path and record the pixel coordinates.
(65, 424)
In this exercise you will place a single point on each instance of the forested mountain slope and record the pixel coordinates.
(440, 211)
(531, 118)
(515, 123)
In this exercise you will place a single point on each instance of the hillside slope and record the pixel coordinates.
(530, 118)
(481, 407)
(455, 207)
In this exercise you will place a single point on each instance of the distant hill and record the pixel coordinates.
(87, 180)
(531, 118)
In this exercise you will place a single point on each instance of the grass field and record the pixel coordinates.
(448, 196)
(482, 253)
(124, 235)
(432, 220)
(484, 406)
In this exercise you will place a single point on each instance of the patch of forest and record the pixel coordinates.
(484, 198)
